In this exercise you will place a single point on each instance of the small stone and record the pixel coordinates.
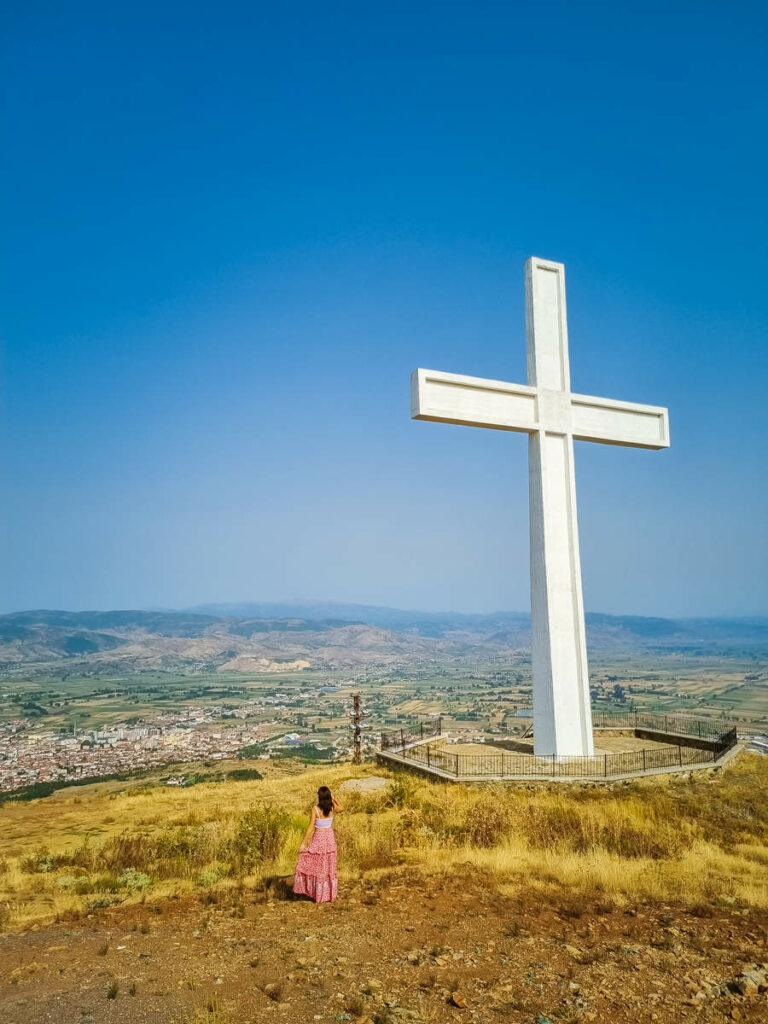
(375, 983)
(459, 999)
(745, 985)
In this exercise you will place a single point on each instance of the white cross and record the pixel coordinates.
(553, 418)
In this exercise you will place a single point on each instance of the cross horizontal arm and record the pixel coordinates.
(477, 402)
(623, 423)
(472, 401)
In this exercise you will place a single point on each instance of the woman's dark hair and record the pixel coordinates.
(325, 800)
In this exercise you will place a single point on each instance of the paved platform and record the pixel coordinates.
(396, 759)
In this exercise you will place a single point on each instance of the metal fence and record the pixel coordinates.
(675, 725)
(400, 739)
(720, 739)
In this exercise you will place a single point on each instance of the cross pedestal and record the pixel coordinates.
(553, 417)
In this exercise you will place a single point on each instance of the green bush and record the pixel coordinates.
(134, 880)
(260, 834)
(210, 876)
(42, 861)
(402, 792)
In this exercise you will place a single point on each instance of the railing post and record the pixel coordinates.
(457, 765)
(644, 768)
(402, 740)
(605, 758)
(680, 754)
(429, 765)
(553, 764)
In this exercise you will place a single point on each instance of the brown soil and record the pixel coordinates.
(400, 940)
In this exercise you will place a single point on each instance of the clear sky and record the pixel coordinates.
(231, 230)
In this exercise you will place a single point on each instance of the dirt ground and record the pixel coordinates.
(396, 947)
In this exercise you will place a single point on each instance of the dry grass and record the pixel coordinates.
(700, 839)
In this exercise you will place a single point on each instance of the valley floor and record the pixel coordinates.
(396, 946)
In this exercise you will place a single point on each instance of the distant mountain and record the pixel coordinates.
(273, 637)
(424, 623)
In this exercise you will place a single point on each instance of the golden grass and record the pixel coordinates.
(695, 840)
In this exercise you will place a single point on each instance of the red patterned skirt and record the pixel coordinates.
(316, 869)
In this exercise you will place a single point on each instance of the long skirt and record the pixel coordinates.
(316, 868)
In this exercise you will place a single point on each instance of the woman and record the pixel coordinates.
(316, 869)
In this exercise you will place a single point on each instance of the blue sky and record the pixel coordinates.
(232, 230)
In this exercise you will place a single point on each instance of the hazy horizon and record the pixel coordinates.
(208, 608)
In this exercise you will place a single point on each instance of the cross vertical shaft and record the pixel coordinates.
(561, 708)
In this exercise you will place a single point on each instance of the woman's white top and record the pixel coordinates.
(323, 822)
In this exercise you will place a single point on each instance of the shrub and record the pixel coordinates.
(134, 880)
(174, 851)
(610, 826)
(210, 876)
(41, 861)
(68, 881)
(260, 834)
(364, 803)
(401, 792)
(486, 822)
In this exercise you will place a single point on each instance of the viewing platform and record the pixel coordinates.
(631, 745)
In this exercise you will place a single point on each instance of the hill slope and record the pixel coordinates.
(455, 903)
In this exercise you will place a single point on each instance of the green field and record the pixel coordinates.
(473, 694)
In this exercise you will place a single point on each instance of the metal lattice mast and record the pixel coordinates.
(357, 715)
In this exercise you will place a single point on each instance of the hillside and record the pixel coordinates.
(125, 642)
(124, 902)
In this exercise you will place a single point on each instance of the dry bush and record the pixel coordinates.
(356, 802)
(402, 792)
(355, 1005)
(371, 843)
(485, 823)
(175, 851)
(627, 828)
(260, 834)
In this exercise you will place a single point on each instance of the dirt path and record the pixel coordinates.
(389, 950)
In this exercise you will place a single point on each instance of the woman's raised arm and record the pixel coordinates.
(337, 806)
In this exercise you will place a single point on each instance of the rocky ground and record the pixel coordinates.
(397, 948)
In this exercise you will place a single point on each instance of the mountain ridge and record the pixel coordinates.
(138, 640)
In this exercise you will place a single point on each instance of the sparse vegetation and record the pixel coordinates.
(701, 839)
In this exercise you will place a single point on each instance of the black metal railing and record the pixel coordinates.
(675, 725)
(410, 746)
(399, 739)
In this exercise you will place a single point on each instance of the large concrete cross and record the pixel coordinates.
(553, 418)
